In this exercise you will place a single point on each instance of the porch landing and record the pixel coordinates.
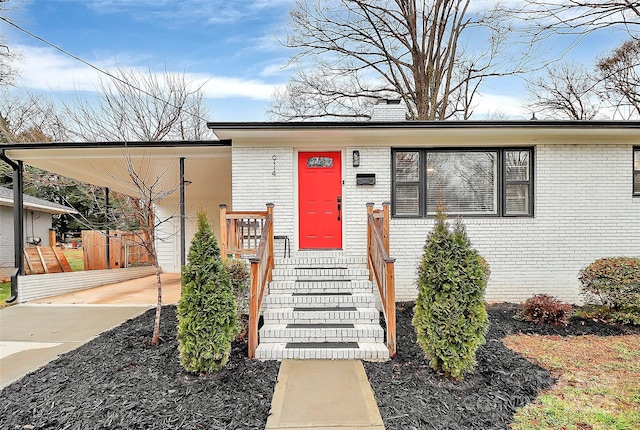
(321, 306)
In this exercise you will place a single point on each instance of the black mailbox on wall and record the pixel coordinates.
(365, 179)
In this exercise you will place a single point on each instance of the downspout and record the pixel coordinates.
(18, 224)
(182, 216)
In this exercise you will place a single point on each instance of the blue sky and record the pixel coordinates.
(229, 44)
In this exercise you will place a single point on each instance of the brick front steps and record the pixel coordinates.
(321, 307)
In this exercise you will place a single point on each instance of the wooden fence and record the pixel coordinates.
(124, 249)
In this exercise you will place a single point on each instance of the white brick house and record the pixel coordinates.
(540, 199)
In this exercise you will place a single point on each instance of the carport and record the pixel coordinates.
(199, 172)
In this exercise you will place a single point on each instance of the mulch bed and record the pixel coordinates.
(117, 381)
(410, 395)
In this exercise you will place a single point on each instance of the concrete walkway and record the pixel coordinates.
(33, 334)
(140, 291)
(323, 394)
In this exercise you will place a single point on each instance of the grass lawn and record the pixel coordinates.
(5, 292)
(598, 383)
(75, 259)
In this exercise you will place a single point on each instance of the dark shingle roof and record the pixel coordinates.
(34, 203)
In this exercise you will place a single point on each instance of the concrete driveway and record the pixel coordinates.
(33, 334)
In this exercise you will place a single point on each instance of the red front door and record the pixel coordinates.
(320, 200)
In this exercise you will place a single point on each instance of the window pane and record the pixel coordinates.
(516, 165)
(319, 162)
(636, 159)
(407, 200)
(407, 166)
(636, 183)
(517, 199)
(467, 181)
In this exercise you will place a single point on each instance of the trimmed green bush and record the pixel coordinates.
(544, 309)
(207, 310)
(450, 316)
(611, 288)
(612, 282)
(240, 277)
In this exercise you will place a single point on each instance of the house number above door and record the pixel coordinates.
(320, 162)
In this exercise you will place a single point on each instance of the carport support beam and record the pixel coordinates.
(106, 226)
(18, 224)
(183, 247)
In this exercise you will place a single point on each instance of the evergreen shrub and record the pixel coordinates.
(611, 287)
(612, 282)
(450, 317)
(207, 310)
(240, 276)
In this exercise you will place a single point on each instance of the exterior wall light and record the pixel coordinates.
(356, 158)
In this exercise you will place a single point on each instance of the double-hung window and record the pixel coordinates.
(474, 182)
(636, 171)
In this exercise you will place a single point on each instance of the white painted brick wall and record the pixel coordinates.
(33, 287)
(583, 211)
(356, 197)
(254, 184)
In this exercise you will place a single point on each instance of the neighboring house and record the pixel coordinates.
(540, 199)
(37, 223)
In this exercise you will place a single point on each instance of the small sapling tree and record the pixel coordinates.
(450, 316)
(207, 310)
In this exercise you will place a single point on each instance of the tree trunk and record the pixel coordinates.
(155, 340)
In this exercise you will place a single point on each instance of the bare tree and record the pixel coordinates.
(581, 16)
(135, 105)
(144, 107)
(417, 50)
(30, 118)
(8, 71)
(149, 186)
(566, 91)
(620, 74)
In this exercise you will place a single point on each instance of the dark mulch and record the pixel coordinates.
(117, 381)
(411, 395)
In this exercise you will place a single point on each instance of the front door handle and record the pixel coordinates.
(339, 207)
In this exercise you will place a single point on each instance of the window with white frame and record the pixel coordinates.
(474, 182)
(636, 171)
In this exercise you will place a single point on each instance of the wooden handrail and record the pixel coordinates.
(250, 233)
(381, 267)
(240, 231)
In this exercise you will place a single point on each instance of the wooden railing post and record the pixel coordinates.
(223, 231)
(369, 215)
(385, 226)
(391, 308)
(270, 238)
(253, 307)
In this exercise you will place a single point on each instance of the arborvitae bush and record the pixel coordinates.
(450, 316)
(544, 309)
(207, 310)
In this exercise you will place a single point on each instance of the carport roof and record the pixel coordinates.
(104, 163)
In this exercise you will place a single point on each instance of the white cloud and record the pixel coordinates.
(225, 87)
(492, 105)
(45, 69)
